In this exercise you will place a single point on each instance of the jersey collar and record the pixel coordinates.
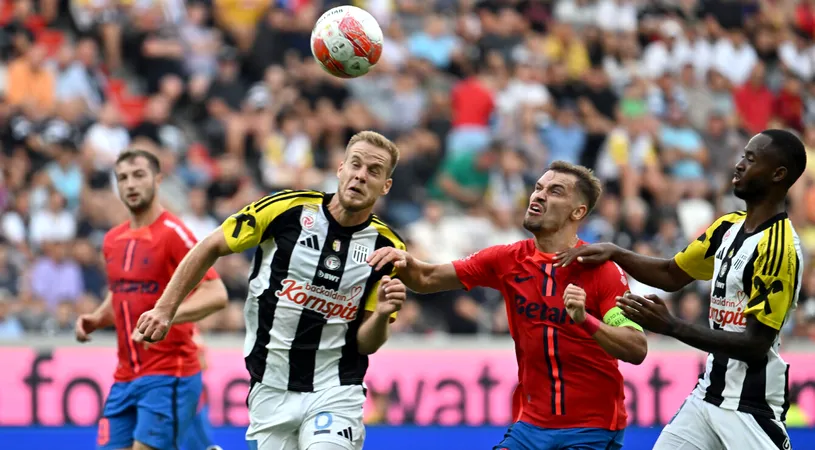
(333, 222)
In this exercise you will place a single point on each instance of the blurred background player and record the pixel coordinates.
(567, 329)
(315, 308)
(199, 434)
(742, 399)
(157, 388)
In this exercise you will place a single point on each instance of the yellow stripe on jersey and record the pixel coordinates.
(775, 274)
(698, 257)
(246, 229)
(398, 243)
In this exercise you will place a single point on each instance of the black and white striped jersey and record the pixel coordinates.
(756, 274)
(308, 290)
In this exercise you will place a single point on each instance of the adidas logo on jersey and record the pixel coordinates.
(310, 242)
(346, 433)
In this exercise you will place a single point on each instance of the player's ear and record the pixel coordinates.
(579, 213)
(387, 186)
(779, 174)
(339, 169)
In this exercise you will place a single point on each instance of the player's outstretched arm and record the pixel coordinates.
(209, 297)
(660, 273)
(417, 275)
(749, 346)
(154, 324)
(619, 337)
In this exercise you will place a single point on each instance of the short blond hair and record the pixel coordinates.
(379, 141)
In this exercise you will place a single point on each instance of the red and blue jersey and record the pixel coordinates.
(140, 263)
(566, 380)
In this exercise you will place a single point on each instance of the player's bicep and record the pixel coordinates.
(478, 269)
(611, 283)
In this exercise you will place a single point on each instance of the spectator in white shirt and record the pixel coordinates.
(617, 15)
(106, 139)
(669, 54)
(796, 55)
(53, 223)
(198, 220)
(734, 57)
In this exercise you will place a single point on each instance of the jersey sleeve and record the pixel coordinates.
(398, 243)
(253, 224)
(611, 283)
(776, 270)
(698, 257)
(179, 242)
(481, 268)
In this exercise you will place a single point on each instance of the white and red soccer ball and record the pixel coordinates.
(346, 41)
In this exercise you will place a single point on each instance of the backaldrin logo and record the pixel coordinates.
(541, 311)
(134, 287)
(323, 300)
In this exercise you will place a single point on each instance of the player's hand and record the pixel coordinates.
(574, 298)
(650, 312)
(389, 255)
(154, 325)
(586, 254)
(391, 296)
(85, 325)
(138, 338)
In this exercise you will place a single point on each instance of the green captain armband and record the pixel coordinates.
(615, 318)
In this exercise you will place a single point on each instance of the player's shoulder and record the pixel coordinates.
(729, 218)
(779, 236)
(173, 228)
(388, 232)
(286, 199)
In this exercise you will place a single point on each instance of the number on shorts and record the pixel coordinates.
(103, 432)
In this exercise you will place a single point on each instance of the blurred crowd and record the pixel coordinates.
(658, 97)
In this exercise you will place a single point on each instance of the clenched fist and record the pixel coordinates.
(574, 298)
(391, 296)
(154, 325)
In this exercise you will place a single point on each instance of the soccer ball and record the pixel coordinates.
(346, 41)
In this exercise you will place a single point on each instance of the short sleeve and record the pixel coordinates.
(611, 282)
(698, 257)
(399, 244)
(481, 268)
(776, 273)
(248, 228)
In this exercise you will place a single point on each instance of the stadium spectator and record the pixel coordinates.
(656, 98)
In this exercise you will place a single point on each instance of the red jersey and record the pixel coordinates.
(566, 380)
(139, 265)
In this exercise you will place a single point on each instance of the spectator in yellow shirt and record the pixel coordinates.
(240, 18)
(563, 46)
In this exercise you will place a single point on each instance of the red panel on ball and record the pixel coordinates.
(354, 32)
(324, 56)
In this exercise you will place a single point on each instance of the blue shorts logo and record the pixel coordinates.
(322, 423)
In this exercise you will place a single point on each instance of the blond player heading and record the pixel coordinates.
(315, 308)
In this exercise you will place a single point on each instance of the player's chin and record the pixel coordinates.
(532, 224)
